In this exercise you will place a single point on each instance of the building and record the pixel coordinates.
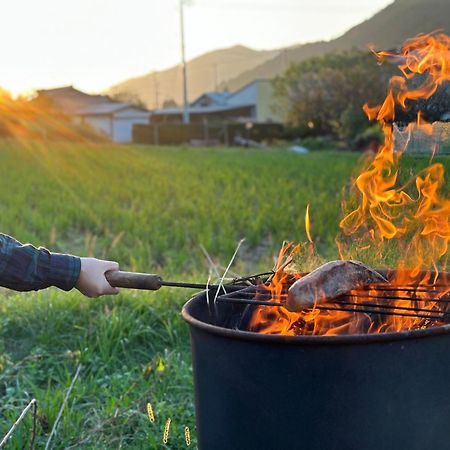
(113, 119)
(252, 103)
(209, 99)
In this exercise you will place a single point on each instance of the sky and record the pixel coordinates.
(93, 44)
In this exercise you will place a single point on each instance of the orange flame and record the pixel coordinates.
(411, 221)
(308, 225)
(419, 220)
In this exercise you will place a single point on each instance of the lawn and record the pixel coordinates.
(151, 209)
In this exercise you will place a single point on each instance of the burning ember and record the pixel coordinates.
(406, 225)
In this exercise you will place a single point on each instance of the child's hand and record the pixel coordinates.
(92, 281)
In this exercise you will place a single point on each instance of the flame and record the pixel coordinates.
(416, 219)
(410, 221)
(308, 225)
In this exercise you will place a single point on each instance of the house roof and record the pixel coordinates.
(104, 108)
(217, 98)
(243, 88)
(220, 102)
(74, 102)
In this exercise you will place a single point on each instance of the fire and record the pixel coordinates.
(417, 220)
(410, 221)
(308, 225)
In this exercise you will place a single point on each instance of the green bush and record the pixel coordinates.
(372, 136)
(318, 143)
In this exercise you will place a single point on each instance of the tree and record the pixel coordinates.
(325, 95)
(169, 103)
(129, 97)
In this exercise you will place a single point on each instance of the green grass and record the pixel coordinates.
(156, 206)
(151, 209)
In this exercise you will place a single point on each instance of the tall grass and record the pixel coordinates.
(152, 208)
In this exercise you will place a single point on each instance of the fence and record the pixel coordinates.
(205, 134)
(417, 141)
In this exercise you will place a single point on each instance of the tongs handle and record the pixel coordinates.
(134, 280)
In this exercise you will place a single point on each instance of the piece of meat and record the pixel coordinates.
(329, 281)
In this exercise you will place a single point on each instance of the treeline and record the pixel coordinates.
(24, 119)
(324, 95)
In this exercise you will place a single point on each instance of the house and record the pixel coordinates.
(252, 103)
(211, 99)
(259, 94)
(113, 119)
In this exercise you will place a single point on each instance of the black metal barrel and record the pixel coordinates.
(362, 392)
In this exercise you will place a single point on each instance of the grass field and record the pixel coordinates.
(151, 209)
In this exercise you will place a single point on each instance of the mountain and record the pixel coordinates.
(234, 67)
(387, 29)
(205, 73)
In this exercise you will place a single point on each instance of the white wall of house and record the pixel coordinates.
(264, 106)
(123, 122)
(102, 123)
(258, 93)
(117, 126)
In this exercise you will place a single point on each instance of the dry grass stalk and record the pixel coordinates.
(66, 398)
(33, 406)
(222, 279)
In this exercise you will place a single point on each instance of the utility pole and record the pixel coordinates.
(216, 77)
(156, 90)
(285, 59)
(183, 66)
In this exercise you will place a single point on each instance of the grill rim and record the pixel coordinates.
(189, 317)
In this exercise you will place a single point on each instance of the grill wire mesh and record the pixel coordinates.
(424, 302)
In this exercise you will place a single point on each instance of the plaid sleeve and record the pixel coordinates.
(27, 268)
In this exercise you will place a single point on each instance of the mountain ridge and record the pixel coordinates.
(205, 73)
(406, 17)
(219, 69)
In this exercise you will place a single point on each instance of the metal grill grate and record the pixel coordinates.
(425, 302)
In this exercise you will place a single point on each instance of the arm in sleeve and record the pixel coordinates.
(27, 268)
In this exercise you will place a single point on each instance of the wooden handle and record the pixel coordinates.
(133, 280)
